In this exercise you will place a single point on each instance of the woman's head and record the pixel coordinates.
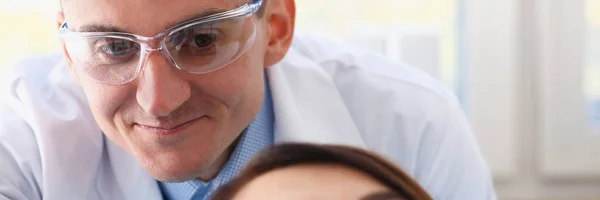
(307, 171)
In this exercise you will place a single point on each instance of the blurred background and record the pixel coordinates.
(526, 71)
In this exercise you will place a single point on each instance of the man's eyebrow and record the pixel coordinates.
(99, 28)
(385, 195)
(109, 28)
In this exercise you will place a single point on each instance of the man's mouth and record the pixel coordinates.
(164, 129)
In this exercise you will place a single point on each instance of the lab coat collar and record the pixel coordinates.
(308, 107)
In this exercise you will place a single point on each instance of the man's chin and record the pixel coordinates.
(174, 168)
(173, 173)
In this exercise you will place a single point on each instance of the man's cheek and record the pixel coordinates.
(110, 121)
(104, 101)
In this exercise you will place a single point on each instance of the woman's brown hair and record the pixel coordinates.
(292, 154)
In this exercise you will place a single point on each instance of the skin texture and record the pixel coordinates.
(318, 181)
(211, 110)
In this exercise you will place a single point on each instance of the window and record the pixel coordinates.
(399, 24)
(568, 90)
(592, 71)
(28, 27)
(471, 44)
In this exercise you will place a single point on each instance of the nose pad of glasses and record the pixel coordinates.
(163, 52)
(148, 49)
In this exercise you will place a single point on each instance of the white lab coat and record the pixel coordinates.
(51, 148)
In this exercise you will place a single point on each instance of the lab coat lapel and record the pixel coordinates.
(124, 177)
(117, 175)
(308, 107)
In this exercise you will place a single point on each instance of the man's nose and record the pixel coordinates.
(161, 88)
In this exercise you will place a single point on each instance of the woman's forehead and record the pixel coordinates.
(318, 180)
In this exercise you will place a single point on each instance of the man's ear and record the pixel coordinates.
(60, 19)
(280, 19)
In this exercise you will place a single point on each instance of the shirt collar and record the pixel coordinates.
(258, 136)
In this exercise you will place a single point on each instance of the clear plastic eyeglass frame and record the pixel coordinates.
(145, 42)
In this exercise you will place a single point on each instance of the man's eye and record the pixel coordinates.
(118, 48)
(204, 40)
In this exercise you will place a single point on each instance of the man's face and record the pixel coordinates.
(178, 125)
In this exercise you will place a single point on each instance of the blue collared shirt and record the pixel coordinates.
(258, 136)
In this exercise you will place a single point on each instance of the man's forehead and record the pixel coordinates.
(144, 17)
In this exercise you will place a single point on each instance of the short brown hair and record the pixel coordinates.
(292, 154)
(260, 13)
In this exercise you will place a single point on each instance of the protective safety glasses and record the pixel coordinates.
(198, 46)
